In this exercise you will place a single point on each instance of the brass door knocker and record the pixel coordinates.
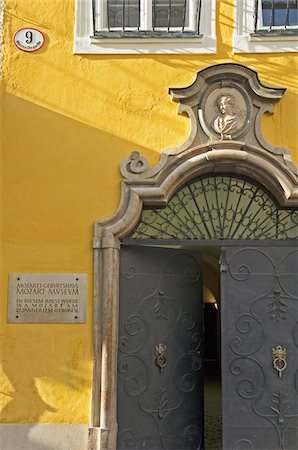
(160, 355)
(279, 355)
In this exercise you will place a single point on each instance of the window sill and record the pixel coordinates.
(140, 35)
(265, 43)
(275, 32)
(148, 45)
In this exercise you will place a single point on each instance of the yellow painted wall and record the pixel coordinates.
(69, 121)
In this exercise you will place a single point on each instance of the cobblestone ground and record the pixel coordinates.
(213, 427)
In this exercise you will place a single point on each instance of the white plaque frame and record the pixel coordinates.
(47, 298)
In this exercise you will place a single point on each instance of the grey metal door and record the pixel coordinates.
(160, 380)
(260, 347)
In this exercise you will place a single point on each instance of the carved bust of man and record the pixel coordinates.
(227, 122)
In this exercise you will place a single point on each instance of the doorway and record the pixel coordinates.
(205, 190)
(259, 316)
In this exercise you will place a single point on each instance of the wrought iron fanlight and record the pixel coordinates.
(218, 207)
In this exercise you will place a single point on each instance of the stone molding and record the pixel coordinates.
(251, 156)
(43, 436)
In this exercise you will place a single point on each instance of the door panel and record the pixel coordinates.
(160, 379)
(260, 313)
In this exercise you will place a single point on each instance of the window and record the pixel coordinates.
(145, 26)
(276, 15)
(265, 26)
(151, 18)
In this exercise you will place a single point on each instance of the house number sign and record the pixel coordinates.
(28, 39)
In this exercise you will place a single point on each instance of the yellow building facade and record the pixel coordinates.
(68, 119)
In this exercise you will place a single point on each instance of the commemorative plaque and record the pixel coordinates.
(47, 298)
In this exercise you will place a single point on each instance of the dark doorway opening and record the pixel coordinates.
(212, 407)
(212, 352)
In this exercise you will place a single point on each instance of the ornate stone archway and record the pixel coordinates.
(236, 147)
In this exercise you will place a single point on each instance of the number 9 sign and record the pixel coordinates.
(28, 39)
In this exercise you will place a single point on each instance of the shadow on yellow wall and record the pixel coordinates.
(60, 176)
(43, 384)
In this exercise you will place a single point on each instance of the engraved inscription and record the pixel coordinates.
(46, 298)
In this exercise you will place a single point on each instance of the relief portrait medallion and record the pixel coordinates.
(225, 113)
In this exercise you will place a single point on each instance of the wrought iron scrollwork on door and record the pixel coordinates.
(268, 386)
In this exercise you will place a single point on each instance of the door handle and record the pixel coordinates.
(279, 359)
(160, 355)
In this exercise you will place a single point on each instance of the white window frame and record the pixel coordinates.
(85, 43)
(244, 40)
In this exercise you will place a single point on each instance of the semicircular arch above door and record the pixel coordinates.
(218, 207)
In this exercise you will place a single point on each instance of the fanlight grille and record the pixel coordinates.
(218, 207)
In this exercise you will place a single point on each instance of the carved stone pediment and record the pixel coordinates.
(227, 102)
(225, 105)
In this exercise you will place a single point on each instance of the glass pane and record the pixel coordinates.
(123, 13)
(275, 13)
(288, 224)
(167, 13)
(293, 13)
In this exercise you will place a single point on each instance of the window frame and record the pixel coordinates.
(248, 40)
(85, 42)
(275, 28)
(146, 18)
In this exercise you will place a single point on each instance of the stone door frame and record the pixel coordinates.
(143, 186)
